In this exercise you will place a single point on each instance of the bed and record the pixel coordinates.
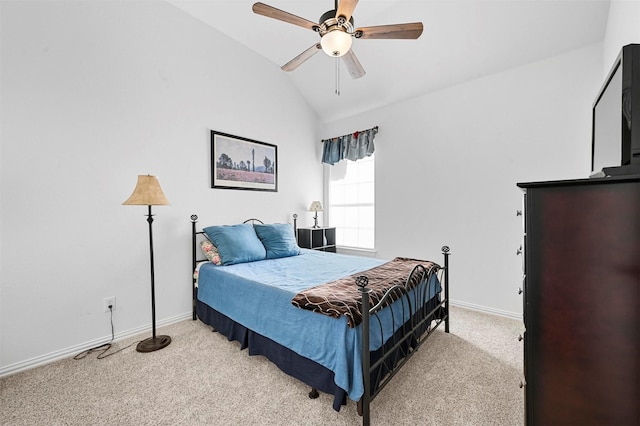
(342, 324)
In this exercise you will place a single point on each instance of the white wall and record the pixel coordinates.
(623, 27)
(447, 164)
(93, 94)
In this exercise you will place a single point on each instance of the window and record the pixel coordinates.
(351, 202)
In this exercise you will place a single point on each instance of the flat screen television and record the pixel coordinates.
(615, 142)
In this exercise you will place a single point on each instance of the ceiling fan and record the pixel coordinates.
(336, 31)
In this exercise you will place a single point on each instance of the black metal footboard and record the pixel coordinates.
(425, 313)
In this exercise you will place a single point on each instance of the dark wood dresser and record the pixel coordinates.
(581, 292)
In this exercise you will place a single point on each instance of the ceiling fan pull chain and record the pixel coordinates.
(338, 76)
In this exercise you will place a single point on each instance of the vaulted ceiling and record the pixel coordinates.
(462, 40)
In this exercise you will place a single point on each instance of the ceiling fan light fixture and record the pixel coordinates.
(336, 43)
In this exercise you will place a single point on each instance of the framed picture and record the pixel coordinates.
(241, 163)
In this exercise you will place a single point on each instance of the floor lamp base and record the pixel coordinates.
(153, 343)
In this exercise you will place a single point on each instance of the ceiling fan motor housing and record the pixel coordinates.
(329, 20)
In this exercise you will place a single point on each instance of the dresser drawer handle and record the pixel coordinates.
(520, 291)
(520, 338)
(519, 251)
(522, 383)
(518, 212)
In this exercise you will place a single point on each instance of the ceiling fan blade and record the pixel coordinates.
(281, 15)
(353, 65)
(345, 8)
(395, 31)
(301, 58)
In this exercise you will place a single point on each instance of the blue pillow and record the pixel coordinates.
(278, 239)
(236, 243)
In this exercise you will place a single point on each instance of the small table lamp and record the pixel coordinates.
(148, 193)
(316, 207)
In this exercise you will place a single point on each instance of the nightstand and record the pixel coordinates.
(323, 238)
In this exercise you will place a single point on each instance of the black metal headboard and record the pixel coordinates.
(194, 260)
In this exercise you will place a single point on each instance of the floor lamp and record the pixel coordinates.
(148, 193)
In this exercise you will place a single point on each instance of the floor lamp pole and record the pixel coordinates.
(155, 342)
(153, 281)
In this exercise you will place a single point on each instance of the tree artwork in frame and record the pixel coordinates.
(241, 163)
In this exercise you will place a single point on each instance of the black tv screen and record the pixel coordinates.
(615, 147)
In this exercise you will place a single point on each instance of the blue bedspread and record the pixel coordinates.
(258, 296)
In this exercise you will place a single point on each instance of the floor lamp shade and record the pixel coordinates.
(148, 193)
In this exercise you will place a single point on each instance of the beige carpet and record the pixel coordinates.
(467, 377)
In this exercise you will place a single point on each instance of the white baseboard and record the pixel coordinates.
(73, 350)
(508, 314)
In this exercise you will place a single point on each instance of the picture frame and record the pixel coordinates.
(242, 163)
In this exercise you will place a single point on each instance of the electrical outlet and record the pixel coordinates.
(109, 301)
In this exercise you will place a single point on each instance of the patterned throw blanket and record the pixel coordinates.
(341, 297)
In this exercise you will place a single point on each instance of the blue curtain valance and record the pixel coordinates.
(354, 146)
